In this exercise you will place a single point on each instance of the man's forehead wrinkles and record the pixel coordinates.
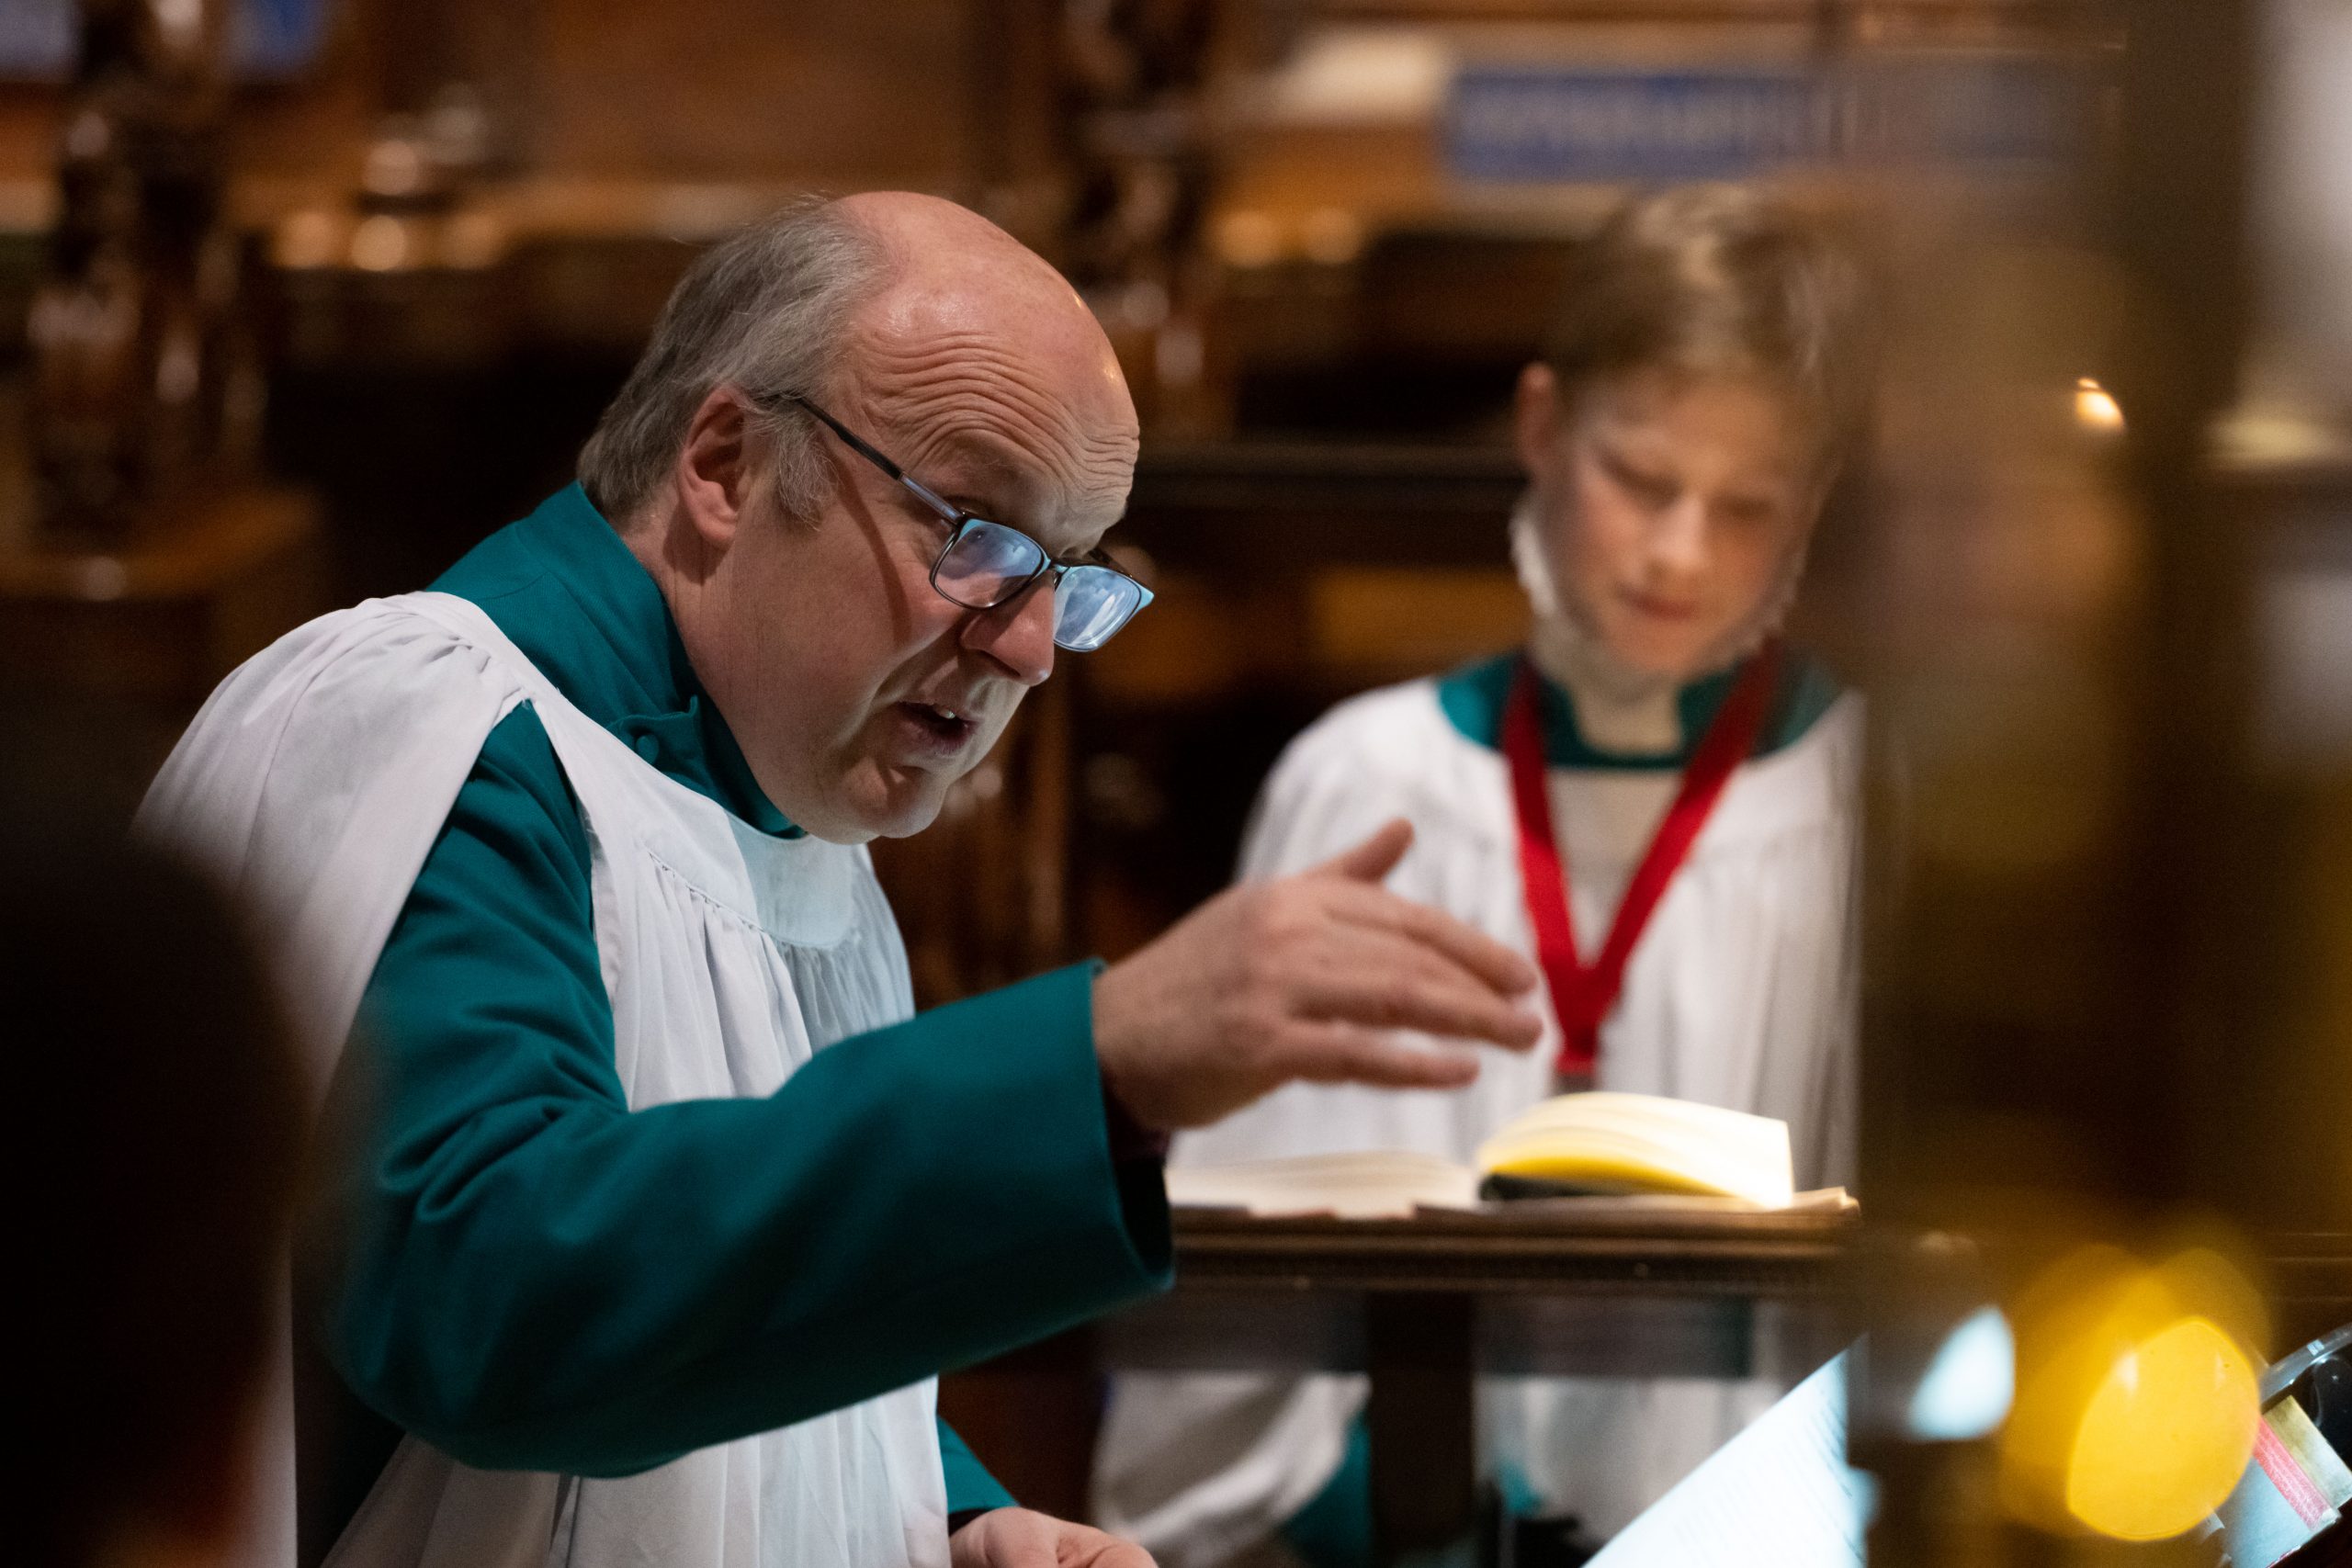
(1070, 461)
(972, 363)
(1065, 503)
(1032, 436)
(1031, 426)
(1003, 405)
(945, 349)
(1074, 491)
(911, 404)
(948, 433)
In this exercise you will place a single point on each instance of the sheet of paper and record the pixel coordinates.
(1778, 1496)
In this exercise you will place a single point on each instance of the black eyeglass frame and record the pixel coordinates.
(959, 523)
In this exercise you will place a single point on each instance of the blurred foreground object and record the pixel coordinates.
(2136, 1406)
(162, 1115)
(2104, 1080)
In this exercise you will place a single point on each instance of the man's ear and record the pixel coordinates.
(714, 471)
(1535, 420)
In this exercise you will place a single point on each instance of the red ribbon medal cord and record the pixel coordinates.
(1582, 994)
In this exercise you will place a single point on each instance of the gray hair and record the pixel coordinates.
(766, 309)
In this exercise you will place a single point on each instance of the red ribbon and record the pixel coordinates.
(1582, 994)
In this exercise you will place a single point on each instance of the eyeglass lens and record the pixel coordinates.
(1089, 604)
(987, 564)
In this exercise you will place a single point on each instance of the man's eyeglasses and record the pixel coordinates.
(985, 564)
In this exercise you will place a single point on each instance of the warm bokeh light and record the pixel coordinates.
(380, 243)
(2136, 1403)
(2166, 1436)
(2096, 407)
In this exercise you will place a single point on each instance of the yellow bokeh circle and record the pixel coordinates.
(2136, 1401)
(2166, 1436)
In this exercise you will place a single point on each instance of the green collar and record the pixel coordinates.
(564, 587)
(1474, 695)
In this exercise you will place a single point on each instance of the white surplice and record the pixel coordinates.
(315, 782)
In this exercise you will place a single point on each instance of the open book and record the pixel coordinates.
(1599, 1142)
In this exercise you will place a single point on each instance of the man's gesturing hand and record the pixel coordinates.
(1022, 1538)
(1298, 978)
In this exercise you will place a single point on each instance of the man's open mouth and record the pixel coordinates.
(946, 725)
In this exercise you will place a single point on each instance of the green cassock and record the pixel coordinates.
(519, 1269)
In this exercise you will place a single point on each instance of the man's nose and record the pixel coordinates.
(1019, 636)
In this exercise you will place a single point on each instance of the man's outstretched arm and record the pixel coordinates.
(530, 1274)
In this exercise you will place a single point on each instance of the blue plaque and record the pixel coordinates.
(1513, 123)
(1543, 124)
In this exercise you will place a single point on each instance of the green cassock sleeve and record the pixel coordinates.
(518, 1268)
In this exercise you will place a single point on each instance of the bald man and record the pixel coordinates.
(660, 1209)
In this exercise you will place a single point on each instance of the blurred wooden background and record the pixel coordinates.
(457, 222)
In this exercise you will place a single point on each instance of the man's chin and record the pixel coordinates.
(907, 823)
(875, 799)
(911, 803)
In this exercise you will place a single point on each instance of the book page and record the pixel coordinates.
(1375, 1184)
(1778, 1496)
(1608, 1139)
